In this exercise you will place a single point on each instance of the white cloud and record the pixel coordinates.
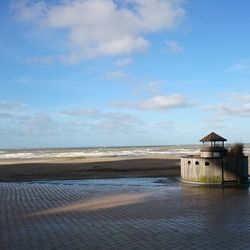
(117, 123)
(39, 124)
(102, 27)
(116, 74)
(124, 61)
(235, 105)
(10, 106)
(240, 67)
(28, 124)
(81, 112)
(108, 122)
(238, 96)
(231, 110)
(151, 88)
(165, 125)
(47, 60)
(5, 116)
(75, 124)
(26, 10)
(19, 119)
(160, 102)
(173, 46)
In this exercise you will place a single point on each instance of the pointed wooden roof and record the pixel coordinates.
(213, 137)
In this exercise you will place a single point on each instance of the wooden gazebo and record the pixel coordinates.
(213, 138)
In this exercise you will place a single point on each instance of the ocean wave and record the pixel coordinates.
(96, 152)
(103, 152)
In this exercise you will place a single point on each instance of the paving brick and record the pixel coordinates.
(89, 215)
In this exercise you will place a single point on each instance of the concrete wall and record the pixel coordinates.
(209, 170)
(235, 168)
(210, 154)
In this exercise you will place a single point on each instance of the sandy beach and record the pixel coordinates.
(79, 168)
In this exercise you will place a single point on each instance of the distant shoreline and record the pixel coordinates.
(92, 167)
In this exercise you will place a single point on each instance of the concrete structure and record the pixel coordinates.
(214, 165)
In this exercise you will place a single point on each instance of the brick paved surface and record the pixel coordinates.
(118, 214)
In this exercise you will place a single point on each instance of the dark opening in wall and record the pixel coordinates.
(189, 162)
(207, 163)
(197, 163)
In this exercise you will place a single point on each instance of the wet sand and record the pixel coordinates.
(80, 168)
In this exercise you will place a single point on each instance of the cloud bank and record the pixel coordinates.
(237, 105)
(160, 102)
(102, 27)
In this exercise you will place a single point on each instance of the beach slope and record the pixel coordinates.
(75, 168)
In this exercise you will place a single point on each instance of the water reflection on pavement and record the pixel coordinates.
(127, 213)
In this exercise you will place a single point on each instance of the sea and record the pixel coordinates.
(133, 152)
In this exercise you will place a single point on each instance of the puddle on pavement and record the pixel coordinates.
(146, 182)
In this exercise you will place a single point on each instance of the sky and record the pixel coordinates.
(85, 73)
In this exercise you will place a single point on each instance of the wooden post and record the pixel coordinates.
(222, 171)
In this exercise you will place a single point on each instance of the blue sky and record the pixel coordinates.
(132, 72)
